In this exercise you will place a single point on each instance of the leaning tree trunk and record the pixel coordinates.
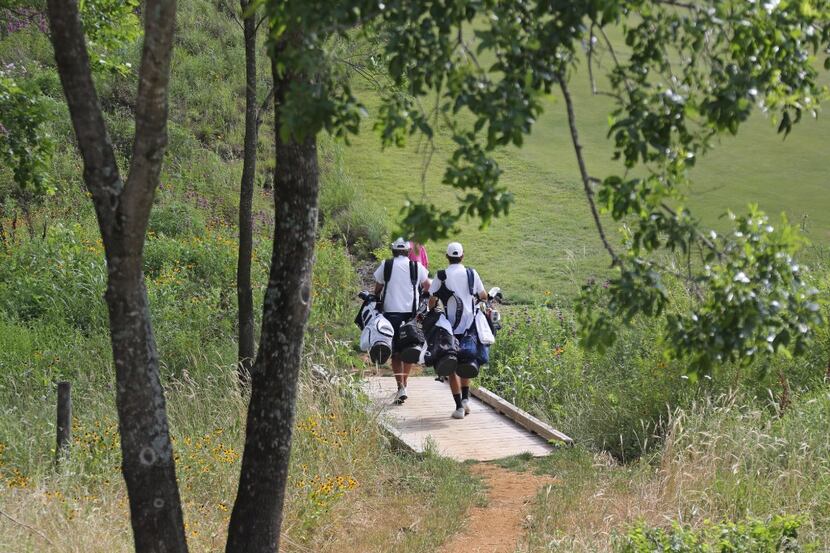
(257, 514)
(244, 294)
(123, 210)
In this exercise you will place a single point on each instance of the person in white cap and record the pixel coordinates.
(459, 310)
(399, 279)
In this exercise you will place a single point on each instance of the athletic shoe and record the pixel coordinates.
(400, 396)
(465, 403)
(458, 413)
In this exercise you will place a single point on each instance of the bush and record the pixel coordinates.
(779, 534)
(334, 284)
(599, 400)
(619, 401)
(61, 279)
(346, 213)
(175, 219)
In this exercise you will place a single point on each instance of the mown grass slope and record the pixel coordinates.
(548, 242)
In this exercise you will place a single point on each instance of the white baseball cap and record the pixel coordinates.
(400, 245)
(454, 249)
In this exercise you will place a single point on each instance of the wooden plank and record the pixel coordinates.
(425, 417)
(523, 418)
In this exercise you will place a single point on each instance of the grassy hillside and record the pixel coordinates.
(653, 445)
(53, 326)
(548, 243)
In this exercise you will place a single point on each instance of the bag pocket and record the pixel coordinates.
(468, 346)
(485, 333)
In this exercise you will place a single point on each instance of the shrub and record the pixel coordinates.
(346, 213)
(60, 279)
(333, 286)
(175, 219)
(599, 400)
(778, 534)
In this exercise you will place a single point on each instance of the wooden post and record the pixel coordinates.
(64, 433)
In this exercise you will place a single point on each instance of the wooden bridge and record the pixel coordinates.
(494, 429)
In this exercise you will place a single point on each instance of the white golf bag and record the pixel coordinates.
(376, 331)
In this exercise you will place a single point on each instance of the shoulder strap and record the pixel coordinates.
(444, 294)
(387, 275)
(413, 278)
(471, 286)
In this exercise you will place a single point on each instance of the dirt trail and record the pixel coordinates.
(499, 526)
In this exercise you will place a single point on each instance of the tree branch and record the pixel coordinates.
(260, 22)
(232, 13)
(101, 173)
(591, 79)
(676, 3)
(29, 528)
(362, 71)
(702, 237)
(150, 120)
(586, 179)
(614, 57)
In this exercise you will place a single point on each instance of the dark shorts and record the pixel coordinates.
(397, 319)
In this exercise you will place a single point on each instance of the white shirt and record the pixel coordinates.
(399, 290)
(457, 282)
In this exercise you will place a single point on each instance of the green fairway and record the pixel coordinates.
(548, 242)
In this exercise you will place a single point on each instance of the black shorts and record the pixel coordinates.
(397, 319)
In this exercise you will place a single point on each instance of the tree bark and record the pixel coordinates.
(244, 294)
(123, 211)
(257, 514)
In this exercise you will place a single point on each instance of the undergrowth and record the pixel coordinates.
(723, 464)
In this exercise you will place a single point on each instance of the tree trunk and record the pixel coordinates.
(123, 211)
(244, 294)
(3, 239)
(27, 216)
(146, 450)
(257, 514)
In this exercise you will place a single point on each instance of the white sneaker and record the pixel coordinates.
(465, 403)
(400, 396)
(458, 413)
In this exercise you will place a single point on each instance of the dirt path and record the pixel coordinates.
(498, 527)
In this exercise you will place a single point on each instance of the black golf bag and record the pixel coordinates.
(411, 341)
(442, 347)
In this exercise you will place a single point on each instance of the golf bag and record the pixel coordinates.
(411, 341)
(442, 347)
(376, 331)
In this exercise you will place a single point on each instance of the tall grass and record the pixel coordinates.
(343, 471)
(620, 401)
(721, 460)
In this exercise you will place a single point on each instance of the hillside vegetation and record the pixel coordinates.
(54, 326)
(742, 445)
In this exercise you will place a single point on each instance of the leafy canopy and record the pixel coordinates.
(25, 145)
(692, 71)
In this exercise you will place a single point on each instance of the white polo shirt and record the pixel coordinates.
(457, 282)
(399, 289)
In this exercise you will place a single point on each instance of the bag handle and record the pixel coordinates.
(387, 276)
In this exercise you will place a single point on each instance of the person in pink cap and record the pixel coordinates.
(419, 253)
